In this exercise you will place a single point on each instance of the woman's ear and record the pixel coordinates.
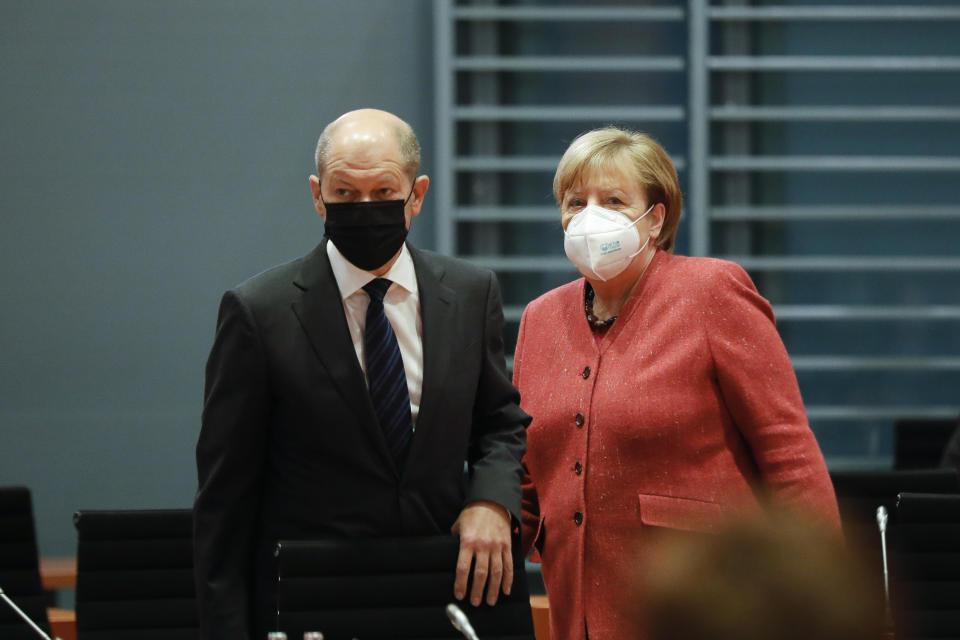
(659, 216)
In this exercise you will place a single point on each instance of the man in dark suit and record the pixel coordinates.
(346, 389)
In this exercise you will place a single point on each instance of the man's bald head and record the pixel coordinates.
(374, 127)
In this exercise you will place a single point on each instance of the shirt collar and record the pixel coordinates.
(351, 278)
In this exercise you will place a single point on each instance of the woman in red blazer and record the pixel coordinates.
(661, 393)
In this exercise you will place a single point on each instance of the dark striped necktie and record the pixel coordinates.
(388, 382)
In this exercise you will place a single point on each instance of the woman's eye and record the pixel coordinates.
(614, 200)
(575, 203)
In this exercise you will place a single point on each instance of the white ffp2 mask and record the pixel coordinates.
(601, 242)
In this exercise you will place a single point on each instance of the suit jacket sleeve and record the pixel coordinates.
(760, 390)
(498, 437)
(229, 467)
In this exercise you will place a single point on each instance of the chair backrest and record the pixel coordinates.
(859, 493)
(927, 594)
(135, 575)
(384, 588)
(919, 443)
(19, 566)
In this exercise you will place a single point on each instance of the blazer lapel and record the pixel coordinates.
(437, 309)
(319, 310)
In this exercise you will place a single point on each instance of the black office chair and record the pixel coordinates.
(919, 443)
(20, 566)
(135, 575)
(926, 587)
(378, 589)
(860, 493)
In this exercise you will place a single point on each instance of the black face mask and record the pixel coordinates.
(368, 234)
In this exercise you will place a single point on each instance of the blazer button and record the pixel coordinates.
(578, 468)
(578, 518)
(586, 372)
(578, 419)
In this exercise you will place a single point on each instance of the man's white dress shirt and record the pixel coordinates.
(402, 306)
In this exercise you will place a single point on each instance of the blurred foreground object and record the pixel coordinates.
(773, 579)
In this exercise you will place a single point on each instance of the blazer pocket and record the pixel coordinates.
(686, 514)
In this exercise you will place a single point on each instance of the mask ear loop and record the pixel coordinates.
(410, 195)
(633, 224)
(644, 214)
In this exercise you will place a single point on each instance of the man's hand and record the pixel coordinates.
(484, 530)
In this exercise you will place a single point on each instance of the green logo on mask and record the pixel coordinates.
(609, 247)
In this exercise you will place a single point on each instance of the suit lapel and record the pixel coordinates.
(319, 310)
(437, 307)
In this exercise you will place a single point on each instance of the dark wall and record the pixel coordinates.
(153, 155)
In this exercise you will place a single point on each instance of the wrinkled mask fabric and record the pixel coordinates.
(602, 242)
(368, 234)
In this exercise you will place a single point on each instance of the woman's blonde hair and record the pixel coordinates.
(600, 149)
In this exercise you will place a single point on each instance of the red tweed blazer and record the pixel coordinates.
(679, 418)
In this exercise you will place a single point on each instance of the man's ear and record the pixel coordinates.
(317, 200)
(420, 186)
